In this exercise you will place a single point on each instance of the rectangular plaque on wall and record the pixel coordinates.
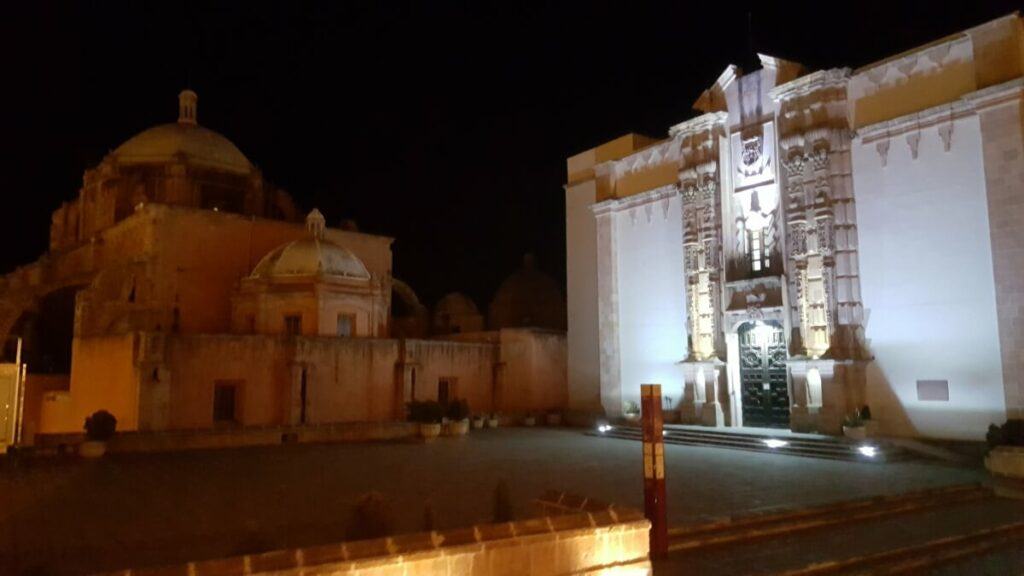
(933, 390)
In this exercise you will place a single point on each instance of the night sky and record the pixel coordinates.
(444, 125)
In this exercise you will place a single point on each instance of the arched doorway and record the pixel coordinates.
(763, 382)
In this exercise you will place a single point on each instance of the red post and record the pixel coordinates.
(654, 467)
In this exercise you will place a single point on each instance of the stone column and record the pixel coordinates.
(608, 308)
(1001, 116)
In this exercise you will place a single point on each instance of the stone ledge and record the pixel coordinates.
(584, 541)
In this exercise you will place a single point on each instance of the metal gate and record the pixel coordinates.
(763, 375)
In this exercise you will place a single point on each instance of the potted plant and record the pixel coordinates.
(853, 427)
(428, 415)
(457, 412)
(529, 420)
(492, 421)
(630, 411)
(1005, 459)
(870, 425)
(478, 422)
(99, 428)
(553, 417)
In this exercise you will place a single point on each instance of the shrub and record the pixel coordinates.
(630, 408)
(457, 410)
(502, 503)
(1011, 433)
(428, 412)
(865, 412)
(371, 518)
(853, 420)
(428, 517)
(100, 426)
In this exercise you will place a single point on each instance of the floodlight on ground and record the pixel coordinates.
(869, 451)
(603, 428)
(775, 443)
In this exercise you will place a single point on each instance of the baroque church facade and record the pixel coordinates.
(181, 291)
(811, 244)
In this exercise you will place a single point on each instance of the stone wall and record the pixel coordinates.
(153, 381)
(1002, 125)
(534, 371)
(169, 441)
(607, 542)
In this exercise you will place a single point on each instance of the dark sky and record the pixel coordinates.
(445, 125)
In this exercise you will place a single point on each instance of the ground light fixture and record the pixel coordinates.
(602, 428)
(869, 451)
(775, 443)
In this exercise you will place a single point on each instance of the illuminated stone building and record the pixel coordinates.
(183, 291)
(812, 243)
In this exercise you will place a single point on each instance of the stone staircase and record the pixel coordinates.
(783, 442)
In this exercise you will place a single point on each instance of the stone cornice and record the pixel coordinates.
(966, 105)
(648, 197)
(994, 95)
(933, 116)
(804, 85)
(701, 123)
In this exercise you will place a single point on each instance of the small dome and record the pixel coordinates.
(528, 298)
(455, 313)
(311, 257)
(184, 139)
(456, 304)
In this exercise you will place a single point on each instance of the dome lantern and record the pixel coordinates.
(315, 223)
(187, 107)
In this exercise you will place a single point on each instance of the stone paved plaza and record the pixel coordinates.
(161, 508)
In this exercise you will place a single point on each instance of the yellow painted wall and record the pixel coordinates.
(202, 255)
(471, 364)
(996, 56)
(102, 378)
(580, 166)
(918, 93)
(258, 363)
(349, 380)
(536, 370)
(644, 180)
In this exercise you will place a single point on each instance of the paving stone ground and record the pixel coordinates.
(861, 539)
(70, 516)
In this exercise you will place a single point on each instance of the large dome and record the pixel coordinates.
(313, 256)
(184, 139)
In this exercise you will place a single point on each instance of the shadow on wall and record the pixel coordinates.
(886, 405)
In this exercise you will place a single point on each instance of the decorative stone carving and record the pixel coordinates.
(914, 141)
(882, 146)
(946, 134)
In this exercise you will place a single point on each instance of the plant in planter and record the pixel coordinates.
(502, 503)
(478, 422)
(630, 411)
(1005, 458)
(853, 426)
(870, 425)
(492, 421)
(99, 428)
(428, 415)
(372, 517)
(457, 412)
(529, 420)
(553, 417)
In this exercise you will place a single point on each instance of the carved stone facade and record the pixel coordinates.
(778, 179)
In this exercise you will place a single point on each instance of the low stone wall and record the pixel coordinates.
(172, 440)
(606, 542)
